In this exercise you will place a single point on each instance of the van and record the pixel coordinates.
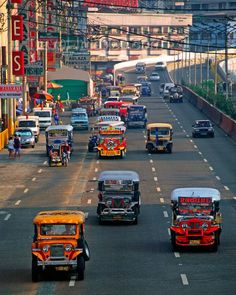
(79, 118)
(45, 116)
(31, 122)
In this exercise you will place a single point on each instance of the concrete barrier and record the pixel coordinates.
(3, 139)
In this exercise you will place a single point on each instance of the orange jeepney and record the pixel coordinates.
(112, 142)
(59, 243)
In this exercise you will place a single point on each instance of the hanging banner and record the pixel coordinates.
(16, 1)
(17, 27)
(18, 63)
(11, 91)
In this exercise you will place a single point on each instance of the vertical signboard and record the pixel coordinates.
(17, 27)
(18, 63)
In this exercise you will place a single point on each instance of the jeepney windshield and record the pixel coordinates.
(58, 229)
(160, 131)
(111, 185)
(42, 114)
(81, 115)
(58, 133)
(27, 123)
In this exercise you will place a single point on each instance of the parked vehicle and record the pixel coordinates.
(27, 138)
(159, 137)
(119, 196)
(136, 116)
(45, 116)
(58, 134)
(196, 218)
(59, 243)
(203, 128)
(112, 142)
(79, 119)
(31, 122)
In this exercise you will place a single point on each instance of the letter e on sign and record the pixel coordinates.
(18, 63)
(17, 27)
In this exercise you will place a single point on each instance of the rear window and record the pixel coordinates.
(27, 124)
(42, 114)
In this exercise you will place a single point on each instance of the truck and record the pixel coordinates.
(45, 116)
(31, 122)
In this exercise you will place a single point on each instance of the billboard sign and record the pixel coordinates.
(11, 91)
(119, 3)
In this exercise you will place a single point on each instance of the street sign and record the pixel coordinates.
(34, 69)
(11, 91)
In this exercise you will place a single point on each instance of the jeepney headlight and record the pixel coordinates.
(45, 248)
(205, 225)
(68, 247)
(209, 129)
(108, 203)
(184, 225)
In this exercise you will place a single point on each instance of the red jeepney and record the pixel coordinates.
(112, 142)
(122, 106)
(196, 218)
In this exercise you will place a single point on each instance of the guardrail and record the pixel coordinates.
(227, 124)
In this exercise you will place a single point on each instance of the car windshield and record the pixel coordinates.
(154, 74)
(24, 133)
(27, 124)
(203, 124)
(42, 114)
(57, 229)
(81, 115)
(160, 131)
(118, 185)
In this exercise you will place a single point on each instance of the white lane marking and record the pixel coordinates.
(149, 154)
(211, 168)
(165, 213)
(94, 178)
(184, 130)
(177, 255)
(205, 160)
(158, 189)
(151, 161)
(155, 178)
(226, 187)
(97, 162)
(162, 200)
(200, 153)
(26, 190)
(89, 201)
(7, 217)
(40, 170)
(178, 122)
(17, 203)
(234, 198)
(217, 177)
(187, 135)
(92, 189)
(96, 170)
(45, 162)
(153, 169)
(86, 214)
(190, 140)
(195, 146)
(168, 231)
(145, 136)
(143, 131)
(72, 281)
(34, 178)
(181, 126)
(184, 279)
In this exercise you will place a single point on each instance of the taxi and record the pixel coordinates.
(59, 243)
(112, 142)
(196, 218)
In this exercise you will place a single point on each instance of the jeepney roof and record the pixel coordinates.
(60, 216)
(200, 192)
(118, 175)
(79, 110)
(25, 118)
(159, 125)
(59, 127)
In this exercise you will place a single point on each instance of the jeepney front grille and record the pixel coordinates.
(57, 250)
(195, 232)
(195, 225)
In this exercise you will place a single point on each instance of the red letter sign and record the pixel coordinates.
(18, 63)
(17, 27)
(16, 1)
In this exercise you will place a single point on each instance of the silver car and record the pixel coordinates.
(27, 137)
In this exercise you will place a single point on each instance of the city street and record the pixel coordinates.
(125, 259)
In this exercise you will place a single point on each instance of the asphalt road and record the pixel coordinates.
(126, 259)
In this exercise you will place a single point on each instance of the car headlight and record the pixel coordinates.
(205, 225)
(45, 248)
(68, 247)
(184, 225)
(209, 129)
(197, 130)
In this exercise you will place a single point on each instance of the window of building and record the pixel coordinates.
(165, 30)
(123, 30)
(94, 45)
(135, 30)
(222, 5)
(104, 44)
(155, 45)
(145, 30)
(195, 6)
(114, 31)
(205, 6)
(135, 44)
(165, 45)
(156, 30)
(104, 30)
(232, 4)
(114, 45)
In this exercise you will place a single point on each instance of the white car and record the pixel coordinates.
(154, 76)
(160, 65)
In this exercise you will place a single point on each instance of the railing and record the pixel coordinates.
(3, 139)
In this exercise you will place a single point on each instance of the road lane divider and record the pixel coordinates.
(168, 231)
(162, 200)
(151, 161)
(158, 189)
(184, 279)
(195, 146)
(94, 178)
(200, 153)
(217, 177)
(165, 213)
(205, 160)
(26, 191)
(155, 178)
(18, 203)
(34, 178)
(72, 281)
(7, 217)
(211, 168)
(234, 198)
(40, 171)
(191, 140)
(45, 162)
(97, 162)
(96, 170)
(89, 201)
(153, 169)
(177, 255)
(226, 188)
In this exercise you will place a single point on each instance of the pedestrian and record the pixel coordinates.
(17, 145)
(10, 147)
(56, 118)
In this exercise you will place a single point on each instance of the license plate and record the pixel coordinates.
(62, 268)
(194, 242)
(160, 148)
(111, 153)
(118, 217)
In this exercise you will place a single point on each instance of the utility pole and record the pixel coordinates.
(195, 66)
(226, 61)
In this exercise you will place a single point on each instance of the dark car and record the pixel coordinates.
(146, 89)
(202, 128)
(27, 137)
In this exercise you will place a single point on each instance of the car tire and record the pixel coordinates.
(150, 148)
(122, 154)
(193, 135)
(35, 272)
(33, 146)
(173, 242)
(80, 268)
(86, 251)
(169, 149)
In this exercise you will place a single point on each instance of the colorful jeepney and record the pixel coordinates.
(112, 142)
(196, 218)
(119, 196)
(136, 116)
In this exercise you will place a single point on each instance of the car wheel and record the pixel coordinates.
(35, 270)
(169, 149)
(122, 154)
(80, 268)
(135, 222)
(84, 245)
(213, 135)
(33, 146)
(150, 148)
(173, 242)
(193, 135)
